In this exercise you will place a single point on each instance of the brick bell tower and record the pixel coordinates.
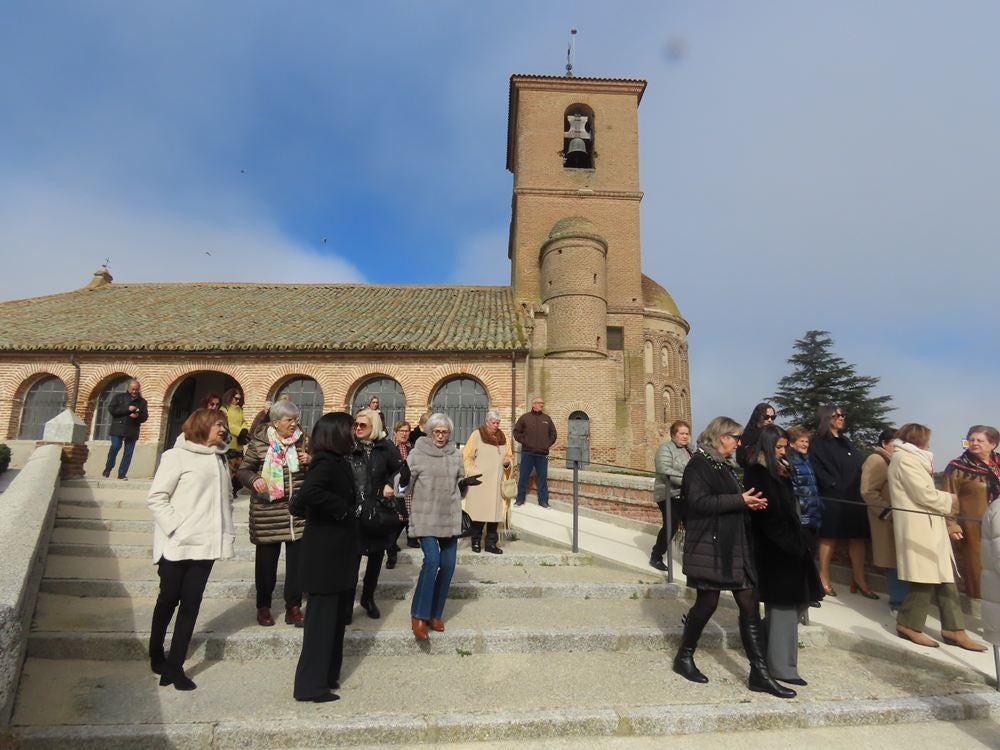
(576, 266)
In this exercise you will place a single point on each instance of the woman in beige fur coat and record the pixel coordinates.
(923, 546)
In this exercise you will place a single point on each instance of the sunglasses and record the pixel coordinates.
(735, 437)
(361, 424)
(839, 415)
(768, 417)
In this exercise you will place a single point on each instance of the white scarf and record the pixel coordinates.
(926, 457)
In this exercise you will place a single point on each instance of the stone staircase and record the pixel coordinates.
(540, 643)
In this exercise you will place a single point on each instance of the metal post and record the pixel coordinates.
(670, 540)
(996, 663)
(576, 506)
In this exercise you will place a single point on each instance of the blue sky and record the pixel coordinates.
(805, 164)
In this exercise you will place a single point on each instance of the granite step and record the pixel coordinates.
(387, 700)
(138, 544)
(109, 629)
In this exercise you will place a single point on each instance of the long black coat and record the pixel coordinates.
(837, 464)
(717, 546)
(121, 423)
(372, 472)
(786, 571)
(330, 550)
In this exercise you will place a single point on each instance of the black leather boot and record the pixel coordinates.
(684, 660)
(368, 604)
(760, 680)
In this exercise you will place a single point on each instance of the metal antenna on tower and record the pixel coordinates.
(570, 53)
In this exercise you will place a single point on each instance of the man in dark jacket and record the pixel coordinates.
(128, 410)
(536, 433)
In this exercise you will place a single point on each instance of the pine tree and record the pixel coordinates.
(821, 377)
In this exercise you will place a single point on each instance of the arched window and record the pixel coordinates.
(650, 403)
(466, 402)
(664, 359)
(685, 405)
(44, 400)
(667, 398)
(306, 394)
(578, 137)
(391, 401)
(102, 418)
(647, 357)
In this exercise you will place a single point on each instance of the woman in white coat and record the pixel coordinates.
(923, 547)
(192, 503)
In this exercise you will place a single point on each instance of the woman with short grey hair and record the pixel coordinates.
(273, 469)
(487, 454)
(718, 553)
(283, 410)
(437, 480)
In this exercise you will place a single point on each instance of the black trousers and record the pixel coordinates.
(372, 571)
(182, 582)
(660, 548)
(322, 644)
(265, 570)
(492, 532)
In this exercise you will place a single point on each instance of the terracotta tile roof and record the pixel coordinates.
(247, 317)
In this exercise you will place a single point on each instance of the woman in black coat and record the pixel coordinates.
(837, 464)
(329, 557)
(718, 552)
(375, 461)
(787, 577)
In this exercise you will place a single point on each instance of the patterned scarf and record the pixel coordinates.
(280, 453)
(404, 449)
(980, 471)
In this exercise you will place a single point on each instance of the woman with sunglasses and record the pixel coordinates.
(718, 552)
(375, 461)
(837, 463)
(239, 432)
(763, 414)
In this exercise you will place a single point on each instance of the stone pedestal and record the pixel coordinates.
(67, 430)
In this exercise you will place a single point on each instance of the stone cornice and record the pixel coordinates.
(650, 312)
(621, 195)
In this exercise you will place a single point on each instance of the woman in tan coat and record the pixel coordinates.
(875, 491)
(923, 548)
(487, 452)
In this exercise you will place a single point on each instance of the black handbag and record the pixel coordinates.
(466, 525)
(376, 517)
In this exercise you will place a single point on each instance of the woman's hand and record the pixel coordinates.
(957, 536)
(754, 499)
(304, 457)
(387, 491)
(259, 485)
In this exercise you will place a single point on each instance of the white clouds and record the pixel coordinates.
(59, 238)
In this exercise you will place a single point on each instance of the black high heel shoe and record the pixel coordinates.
(857, 588)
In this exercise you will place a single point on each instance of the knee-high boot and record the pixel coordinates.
(684, 660)
(760, 680)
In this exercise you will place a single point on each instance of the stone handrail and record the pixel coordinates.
(27, 515)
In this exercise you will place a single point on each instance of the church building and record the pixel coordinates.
(579, 323)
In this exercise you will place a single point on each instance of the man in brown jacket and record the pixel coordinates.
(536, 433)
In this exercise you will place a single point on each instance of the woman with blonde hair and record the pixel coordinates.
(923, 548)
(718, 552)
(487, 453)
(375, 461)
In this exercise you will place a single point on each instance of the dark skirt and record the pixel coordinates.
(746, 582)
(844, 520)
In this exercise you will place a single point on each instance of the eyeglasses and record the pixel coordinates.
(734, 436)
(441, 432)
(361, 424)
(839, 415)
(768, 417)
